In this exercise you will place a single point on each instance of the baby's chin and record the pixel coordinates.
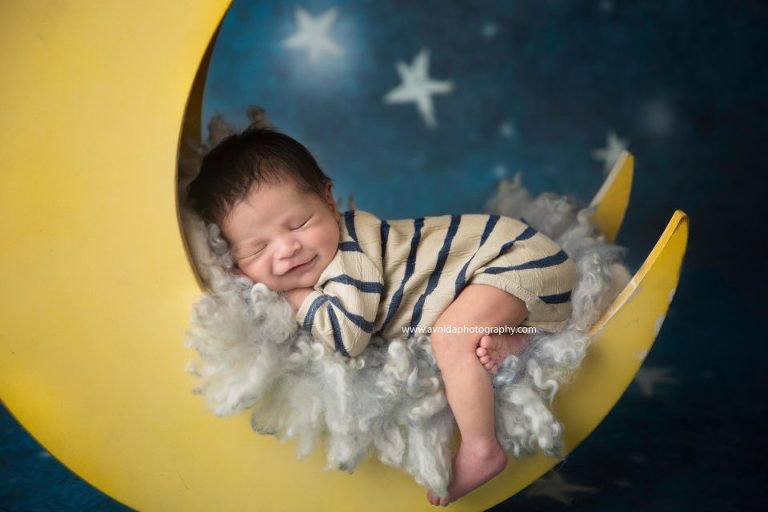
(305, 281)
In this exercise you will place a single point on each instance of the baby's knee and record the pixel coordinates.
(453, 348)
(497, 306)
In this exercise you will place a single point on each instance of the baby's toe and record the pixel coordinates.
(486, 342)
(481, 351)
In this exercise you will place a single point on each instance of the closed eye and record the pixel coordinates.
(252, 254)
(305, 223)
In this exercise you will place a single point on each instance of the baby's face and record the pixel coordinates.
(283, 237)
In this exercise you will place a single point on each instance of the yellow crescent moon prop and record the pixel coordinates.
(612, 198)
(96, 284)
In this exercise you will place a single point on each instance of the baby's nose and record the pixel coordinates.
(287, 248)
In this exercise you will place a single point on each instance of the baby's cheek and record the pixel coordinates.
(313, 241)
(254, 272)
(331, 243)
(265, 273)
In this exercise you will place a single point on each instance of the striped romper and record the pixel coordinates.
(391, 274)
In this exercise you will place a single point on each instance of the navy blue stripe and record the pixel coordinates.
(549, 261)
(434, 277)
(310, 318)
(384, 238)
(337, 340)
(350, 247)
(462, 277)
(529, 232)
(559, 298)
(349, 220)
(492, 220)
(358, 320)
(363, 286)
(409, 267)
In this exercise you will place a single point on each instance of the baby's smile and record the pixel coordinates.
(303, 267)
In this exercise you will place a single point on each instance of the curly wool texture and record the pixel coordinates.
(389, 401)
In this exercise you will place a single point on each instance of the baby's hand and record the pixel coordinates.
(296, 297)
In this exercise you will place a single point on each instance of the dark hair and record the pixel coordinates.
(251, 158)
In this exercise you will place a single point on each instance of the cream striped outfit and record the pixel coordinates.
(390, 274)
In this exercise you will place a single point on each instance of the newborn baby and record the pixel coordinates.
(351, 276)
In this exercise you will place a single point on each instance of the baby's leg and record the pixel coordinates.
(468, 386)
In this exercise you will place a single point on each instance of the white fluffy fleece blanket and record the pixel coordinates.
(389, 401)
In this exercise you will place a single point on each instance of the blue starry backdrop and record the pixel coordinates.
(420, 108)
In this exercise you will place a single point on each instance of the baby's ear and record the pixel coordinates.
(329, 197)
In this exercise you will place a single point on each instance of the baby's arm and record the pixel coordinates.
(341, 312)
(342, 321)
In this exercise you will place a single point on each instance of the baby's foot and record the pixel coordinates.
(494, 349)
(472, 467)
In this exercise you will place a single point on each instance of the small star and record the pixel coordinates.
(490, 30)
(647, 378)
(555, 486)
(611, 152)
(658, 117)
(507, 129)
(500, 171)
(417, 87)
(312, 34)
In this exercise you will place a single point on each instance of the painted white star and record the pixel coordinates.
(647, 378)
(610, 153)
(500, 171)
(312, 34)
(555, 486)
(417, 87)
(507, 129)
(658, 117)
(490, 29)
